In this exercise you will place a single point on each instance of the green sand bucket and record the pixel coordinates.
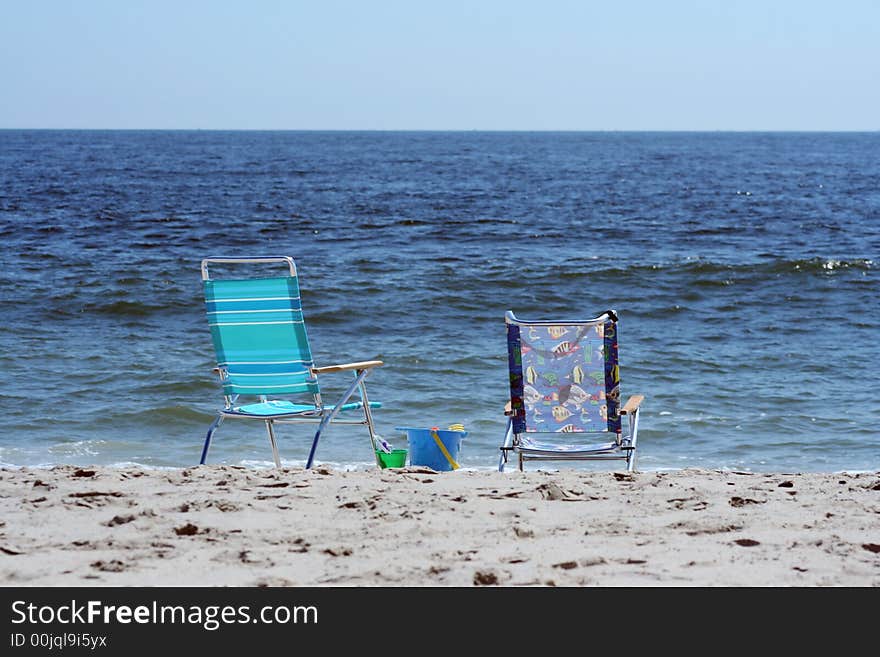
(394, 459)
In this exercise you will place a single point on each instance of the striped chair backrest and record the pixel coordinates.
(259, 336)
(564, 377)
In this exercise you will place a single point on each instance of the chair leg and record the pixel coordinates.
(508, 439)
(214, 425)
(328, 417)
(314, 446)
(631, 461)
(634, 436)
(521, 462)
(271, 429)
(368, 416)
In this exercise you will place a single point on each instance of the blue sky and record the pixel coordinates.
(448, 65)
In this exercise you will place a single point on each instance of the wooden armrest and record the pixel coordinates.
(632, 405)
(508, 409)
(362, 365)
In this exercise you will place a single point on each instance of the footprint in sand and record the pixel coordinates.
(112, 566)
(299, 546)
(119, 520)
(188, 529)
(523, 532)
(742, 501)
(338, 552)
(485, 578)
(552, 491)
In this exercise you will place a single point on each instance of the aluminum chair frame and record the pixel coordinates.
(622, 445)
(317, 412)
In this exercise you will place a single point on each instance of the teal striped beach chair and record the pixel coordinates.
(565, 382)
(263, 353)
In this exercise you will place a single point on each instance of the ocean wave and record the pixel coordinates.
(701, 267)
(124, 308)
(159, 416)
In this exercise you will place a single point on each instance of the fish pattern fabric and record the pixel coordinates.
(564, 378)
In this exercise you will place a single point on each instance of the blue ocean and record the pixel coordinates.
(743, 267)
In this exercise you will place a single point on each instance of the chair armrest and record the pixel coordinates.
(632, 405)
(508, 409)
(219, 372)
(362, 365)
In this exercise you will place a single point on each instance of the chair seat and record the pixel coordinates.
(283, 408)
(530, 446)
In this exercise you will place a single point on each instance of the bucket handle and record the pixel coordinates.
(443, 449)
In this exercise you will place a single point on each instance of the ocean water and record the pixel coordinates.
(744, 268)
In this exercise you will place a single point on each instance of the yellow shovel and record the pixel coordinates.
(454, 427)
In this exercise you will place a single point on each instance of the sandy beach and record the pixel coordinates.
(226, 525)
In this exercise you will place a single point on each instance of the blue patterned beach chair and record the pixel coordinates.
(565, 382)
(263, 352)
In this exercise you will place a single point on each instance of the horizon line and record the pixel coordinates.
(463, 130)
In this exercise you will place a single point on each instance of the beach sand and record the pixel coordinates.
(225, 525)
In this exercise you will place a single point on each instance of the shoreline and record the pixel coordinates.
(367, 466)
(238, 526)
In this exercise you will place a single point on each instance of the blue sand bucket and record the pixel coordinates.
(435, 448)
